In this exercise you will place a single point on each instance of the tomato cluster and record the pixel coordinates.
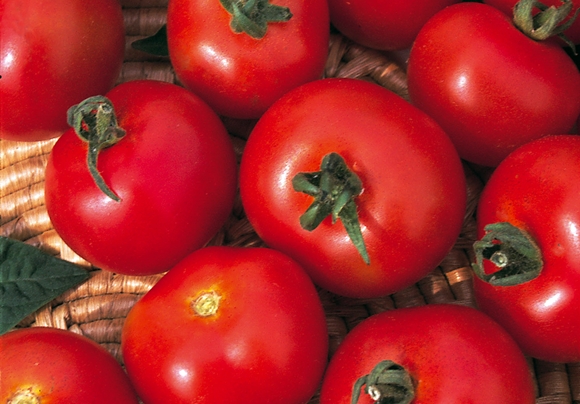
(353, 189)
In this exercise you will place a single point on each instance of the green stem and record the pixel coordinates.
(253, 16)
(546, 23)
(334, 189)
(388, 383)
(95, 122)
(510, 249)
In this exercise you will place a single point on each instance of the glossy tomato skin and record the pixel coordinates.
(573, 32)
(453, 353)
(59, 366)
(266, 343)
(174, 171)
(413, 196)
(536, 190)
(237, 75)
(383, 25)
(53, 55)
(500, 91)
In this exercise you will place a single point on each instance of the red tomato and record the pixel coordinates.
(488, 85)
(227, 323)
(442, 354)
(54, 54)
(174, 172)
(573, 32)
(54, 366)
(384, 25)
(411, 194)
(536, 191)
(236, 74)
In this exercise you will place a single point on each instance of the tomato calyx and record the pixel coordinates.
(334, 189)
(512, 250)
(95, 122)
(253, 16)
(388, 383)
(547, 23)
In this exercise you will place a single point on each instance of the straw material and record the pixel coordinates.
(97, 308)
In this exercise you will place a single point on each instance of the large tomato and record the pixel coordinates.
(488, 85)
(54, 54)
(436, 354)
(572, 32)
(228, 324)
(384, 25)
(239, 73)
(529, 255)
(54, 366)
(166, 186)
(385, 180)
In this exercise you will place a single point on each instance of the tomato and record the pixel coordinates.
(384, 25)
(438, 354)
(228, 323)
(240, 75)
(573, 32)
(53, 366)
(488, 85)
(402, 190)
(54, 54)
(534, 191)
(167, 185)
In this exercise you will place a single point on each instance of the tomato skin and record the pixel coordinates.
(237, 75)
(383, 25)
(61, 367)
(500, 91)
(536, 189)
(175, 172)
(413, 185)
(54, 54)
(454, 354)
(268, 341)
(573, 32)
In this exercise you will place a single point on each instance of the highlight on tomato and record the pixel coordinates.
(53, 55)
(528, 252)
(351, 181)
(50, 365)
(145, 175)
(438, 353)
(228, 323)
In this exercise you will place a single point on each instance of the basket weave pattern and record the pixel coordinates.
(97, 308)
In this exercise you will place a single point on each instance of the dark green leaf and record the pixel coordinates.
(155, 44)
(29, 279)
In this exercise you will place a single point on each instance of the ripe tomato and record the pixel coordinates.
(573, 32)
(54, 54)
(236, 74)
(174, 171)
(488, 85)
(384, 25)
(403, 183)
(535, 190)
(228, 323)
(52, 366)
(441, 354)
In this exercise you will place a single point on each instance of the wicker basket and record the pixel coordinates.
(97, 308)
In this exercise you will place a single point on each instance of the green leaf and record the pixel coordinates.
(29, 279)
(155, 44)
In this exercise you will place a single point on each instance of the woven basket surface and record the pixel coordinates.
(97, 308)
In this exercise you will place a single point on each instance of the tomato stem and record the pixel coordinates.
(512, 250)
(207, 304)
(253, 16)
(95, 122)
(334, 189)
(547, 23)
(25, 396)
(388, 382)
